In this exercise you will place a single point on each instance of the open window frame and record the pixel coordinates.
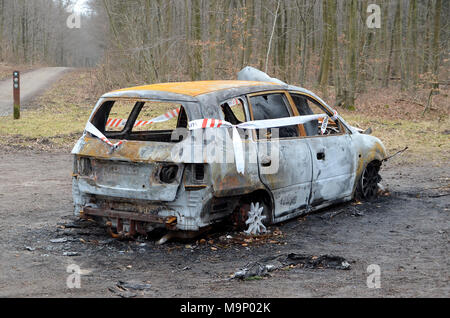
(291, 110)
(101, 116)
(343, 130)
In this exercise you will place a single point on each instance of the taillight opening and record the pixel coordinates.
(168, 174)
(84, 166)
(199, 172)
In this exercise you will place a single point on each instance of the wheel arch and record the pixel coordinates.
(374, 154)
(260, 195)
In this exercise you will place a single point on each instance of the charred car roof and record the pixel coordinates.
(193, 91)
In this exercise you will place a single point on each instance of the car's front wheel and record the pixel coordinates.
(368, 184)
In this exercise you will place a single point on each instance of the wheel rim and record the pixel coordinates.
(255, 220)
(369, 182)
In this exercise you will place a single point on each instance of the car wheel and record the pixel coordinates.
(255, 220)
(252, 216)
(368, 188)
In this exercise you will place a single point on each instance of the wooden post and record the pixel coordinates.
(16, 89)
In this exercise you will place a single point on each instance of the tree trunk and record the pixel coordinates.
(436, 37)
(326, 48)
(350, 89)
(198, 61)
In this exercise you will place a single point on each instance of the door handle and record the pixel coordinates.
(321, 156)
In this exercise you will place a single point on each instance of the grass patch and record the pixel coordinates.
(6, 71)
(424, 138)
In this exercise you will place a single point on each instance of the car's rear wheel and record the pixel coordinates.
(250, 216)
(368, 185)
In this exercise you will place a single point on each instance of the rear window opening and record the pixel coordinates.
(141, 120)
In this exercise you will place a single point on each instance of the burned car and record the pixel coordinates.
(185, 156)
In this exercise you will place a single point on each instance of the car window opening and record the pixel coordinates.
(141, 121)
(273, 106)
(307, 106)
(234, 112)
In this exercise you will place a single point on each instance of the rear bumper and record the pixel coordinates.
(183, 214)
(169, 221)
(135, 223)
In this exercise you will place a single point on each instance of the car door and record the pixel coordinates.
(333, 158)
(284, 159)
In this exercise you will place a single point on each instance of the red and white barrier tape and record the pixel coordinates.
(258, 124)
(218, 123)
(116, 123)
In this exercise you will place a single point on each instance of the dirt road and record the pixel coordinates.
(405, 233)
(32, 84)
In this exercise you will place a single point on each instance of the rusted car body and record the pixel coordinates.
(147, 182)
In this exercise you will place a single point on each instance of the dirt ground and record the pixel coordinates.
(406, 233)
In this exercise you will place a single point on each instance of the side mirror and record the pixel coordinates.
(368, 131)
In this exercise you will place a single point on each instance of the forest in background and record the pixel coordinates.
(325, 44)
(36, 32)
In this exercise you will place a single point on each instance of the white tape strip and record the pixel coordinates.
(238, 151)
(257, 124)
(97, 133)
(325, 122)
(324, 127)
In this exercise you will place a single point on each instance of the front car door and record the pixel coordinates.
(284, 159)
(333, 158)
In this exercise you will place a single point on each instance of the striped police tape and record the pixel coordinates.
(116, 123)
(257, 124)
(218, 123)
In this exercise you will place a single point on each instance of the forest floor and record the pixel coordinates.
(405, 232)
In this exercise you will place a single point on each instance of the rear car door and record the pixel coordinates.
(333, 157)
(284, 160)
